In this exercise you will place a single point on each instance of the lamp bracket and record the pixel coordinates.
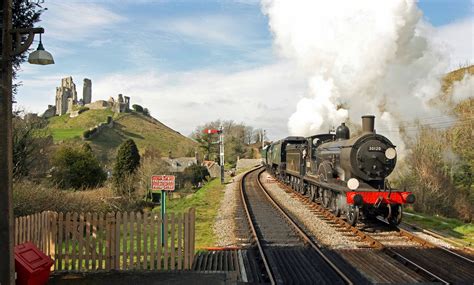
(18, 33)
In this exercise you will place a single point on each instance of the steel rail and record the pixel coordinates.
(428, 244)
(301, 232)
(439, 236)
(252, 227)
(373, 243)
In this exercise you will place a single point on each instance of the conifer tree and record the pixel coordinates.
(127, 161)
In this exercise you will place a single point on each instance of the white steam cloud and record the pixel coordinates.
(361, 57)
(463, 89)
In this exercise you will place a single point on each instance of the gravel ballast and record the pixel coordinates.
(322, 231)
(224, 228)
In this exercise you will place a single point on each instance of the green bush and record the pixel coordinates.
(195, 174)
(137, 108)
(82, 109)
(76, 168)
(127, 162)
(30, 198)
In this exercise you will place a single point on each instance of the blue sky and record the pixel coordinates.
(189, 62)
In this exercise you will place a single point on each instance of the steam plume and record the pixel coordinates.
(360, 57)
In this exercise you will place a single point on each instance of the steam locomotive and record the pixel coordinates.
(346, 175)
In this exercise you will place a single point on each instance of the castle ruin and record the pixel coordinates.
(66, 96)
(67, 101)
(87, 91)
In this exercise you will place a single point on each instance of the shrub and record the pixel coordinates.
(137, 108)
(82, 109)
(195, 174)
(127, 162)
(30, 198)
(76, 168)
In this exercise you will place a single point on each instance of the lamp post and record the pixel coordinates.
(22, 38)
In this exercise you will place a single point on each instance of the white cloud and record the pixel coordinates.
(458, 38)
(74, 22)
(205, 29)
(259, 97)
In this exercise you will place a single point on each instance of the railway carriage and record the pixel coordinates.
(347, 175)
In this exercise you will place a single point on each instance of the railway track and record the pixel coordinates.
(286, 254)
(433, 263)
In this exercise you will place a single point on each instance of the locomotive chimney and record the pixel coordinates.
(368, 122)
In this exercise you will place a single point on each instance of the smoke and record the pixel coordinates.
(360, 57)
(463, 89)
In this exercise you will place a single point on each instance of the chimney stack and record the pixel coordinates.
(368, 123)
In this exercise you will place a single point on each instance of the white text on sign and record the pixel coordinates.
(163, 182)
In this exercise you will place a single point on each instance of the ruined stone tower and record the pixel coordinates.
(87, 91)
(66, 96)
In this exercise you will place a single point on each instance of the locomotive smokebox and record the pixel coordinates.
(368, 123)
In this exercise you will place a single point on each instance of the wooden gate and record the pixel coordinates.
(122, 241)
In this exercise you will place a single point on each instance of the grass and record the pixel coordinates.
(64, 134)
(453, 228)
(207, 201)
(147, 133)
(63, 127)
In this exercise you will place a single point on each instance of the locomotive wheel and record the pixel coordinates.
(325, 172)
(304, 189)
(312, 193)
(334, 206)
(396, 214)
(326, 198)
(352, 215)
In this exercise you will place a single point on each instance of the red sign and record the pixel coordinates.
(162, 182)
(211, 131)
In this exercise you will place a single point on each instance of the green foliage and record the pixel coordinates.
(441, 162)
(25, 14)
(27, 144)
(82, 109)
(137, 108)
(207, 202)
(77, 169)
(237, 139)
(127, 161)
(31, 197)
(87, 134)
(451, 227)
(195, 174)
(86, 148)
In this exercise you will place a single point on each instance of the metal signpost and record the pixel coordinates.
(163, 183)
(220, 131)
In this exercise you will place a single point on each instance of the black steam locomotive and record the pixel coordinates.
(347, 175)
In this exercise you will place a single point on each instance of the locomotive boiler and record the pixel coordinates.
(347, 175)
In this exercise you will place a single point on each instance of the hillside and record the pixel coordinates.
(147, 132)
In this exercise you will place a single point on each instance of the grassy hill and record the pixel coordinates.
(147, 132)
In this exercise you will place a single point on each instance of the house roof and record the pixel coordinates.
(208, 163)
(178, 164)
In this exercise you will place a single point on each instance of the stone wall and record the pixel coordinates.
(98, 105)
(93, 132)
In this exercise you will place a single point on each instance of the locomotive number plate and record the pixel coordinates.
(375, 148)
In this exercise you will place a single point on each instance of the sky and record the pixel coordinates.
(190, 62)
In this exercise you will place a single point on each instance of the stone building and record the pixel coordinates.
(66, 96)
(66, 100)
(87, 91)
(121, 105)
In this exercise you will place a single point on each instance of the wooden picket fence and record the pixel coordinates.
(121, 241)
